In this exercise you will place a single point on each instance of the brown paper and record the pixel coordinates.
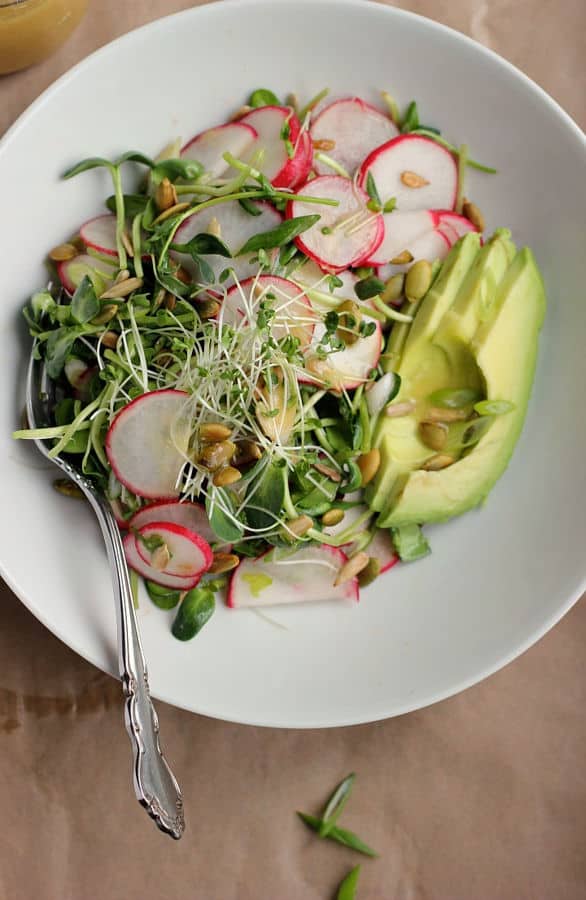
(480, 797)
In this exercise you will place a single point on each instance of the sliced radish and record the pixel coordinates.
(190, 515)
(346, 369)
(190, 555)
(352, 232)
(305, 576)
(381, 392)
(146, 443)
(282, 170)
(118, 510)
(381, 547)
(208, 148)
(72, 272)
(460, 224)
(356, 128)
(432, 245)
(100, 234)
(448, 232)
(310, 275)
(401, 229)
(135, 561)
(235, 227)
(293, 311)
(395, 162)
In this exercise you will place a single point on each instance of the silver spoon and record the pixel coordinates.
(155, 785)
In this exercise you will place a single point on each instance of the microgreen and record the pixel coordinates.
(263, 97)
(347, 888)
(368, 287)
(282, 234)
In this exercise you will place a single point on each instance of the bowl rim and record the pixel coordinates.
(431, 696)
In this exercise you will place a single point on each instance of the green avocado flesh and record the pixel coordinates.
(476, 330)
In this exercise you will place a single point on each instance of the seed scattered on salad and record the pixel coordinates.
(248, 377)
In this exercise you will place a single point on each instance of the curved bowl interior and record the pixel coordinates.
(498, 578)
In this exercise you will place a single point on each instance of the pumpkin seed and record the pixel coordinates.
(329, 472)
(122, 289)
(226, 476)
(208, 309)
(397, 410)
(402, 258)
(170, 301)
(332, 517)
(473, 214)
(296, 528)
(165, 195)
(214, 228)
(393, 288)
(127, 244)
(106, 314)
(223, 562)
(242, 111)
(324, 145)
(350, 569)
(368, 463)
(171, 211)
(109, 339)
(437, 462)
(213, 432)
(246, 452)
(63, 252)
(68, 488)
(434, 434)
(418, 280)
(413, 180)
(440, 414)
(369, 572)
(160, 557)
(213, 456)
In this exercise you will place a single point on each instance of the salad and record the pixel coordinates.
(286, 350)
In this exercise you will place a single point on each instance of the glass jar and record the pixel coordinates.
(30, 30)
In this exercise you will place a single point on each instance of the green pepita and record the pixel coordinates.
(418, 280)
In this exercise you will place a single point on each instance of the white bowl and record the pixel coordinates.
(498, 578)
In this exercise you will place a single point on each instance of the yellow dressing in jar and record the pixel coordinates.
(31, 30)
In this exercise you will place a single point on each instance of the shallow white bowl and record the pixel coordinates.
(498, 578)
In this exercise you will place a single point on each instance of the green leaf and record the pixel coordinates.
(410, 119)
(280, 235)
(94, 162)
(57, 349)
(339, 835)
(161, 596)
(336, 804)
(372, 191)
(223, 526)
(190, 169)
(134, 204)
(267, 495)
(347, 889)
(42, 303)
(135, 156)
(85, 305)
(196, 609)
(390, 205)
(263, 97)
(204, 243)
(410, 542)
(253, 209)
(369, 287)
(205, 271)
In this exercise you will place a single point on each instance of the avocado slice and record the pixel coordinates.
(501, 340)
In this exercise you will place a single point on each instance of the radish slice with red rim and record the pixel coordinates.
(305, 576)
(345, 369)
(146, 443)
(393, 166)
(401, 229)
(346, 234)
(271, 124)
(99, 233)
(460, 224)
(293, 312)
(182, 512)
(208, 148)
(72, 272)
(190, 555)
(136, 562)
(235, 226)
(356, 127)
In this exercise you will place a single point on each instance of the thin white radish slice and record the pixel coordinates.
(356, 127)
(381, 547)
(99, 233)
(277, 165)
(432, 245)
(410, 160)
(72, 272)
(208, 148)
(346, 234)
(310, 275)
(460, 224)
(235, 226)
(345, 369)
(293, 312)
(381, 393)
(401, 229)
(146, 443)
(136, 562)
(190, 555)
(305, 576)
(448, 232)
(190, 515)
